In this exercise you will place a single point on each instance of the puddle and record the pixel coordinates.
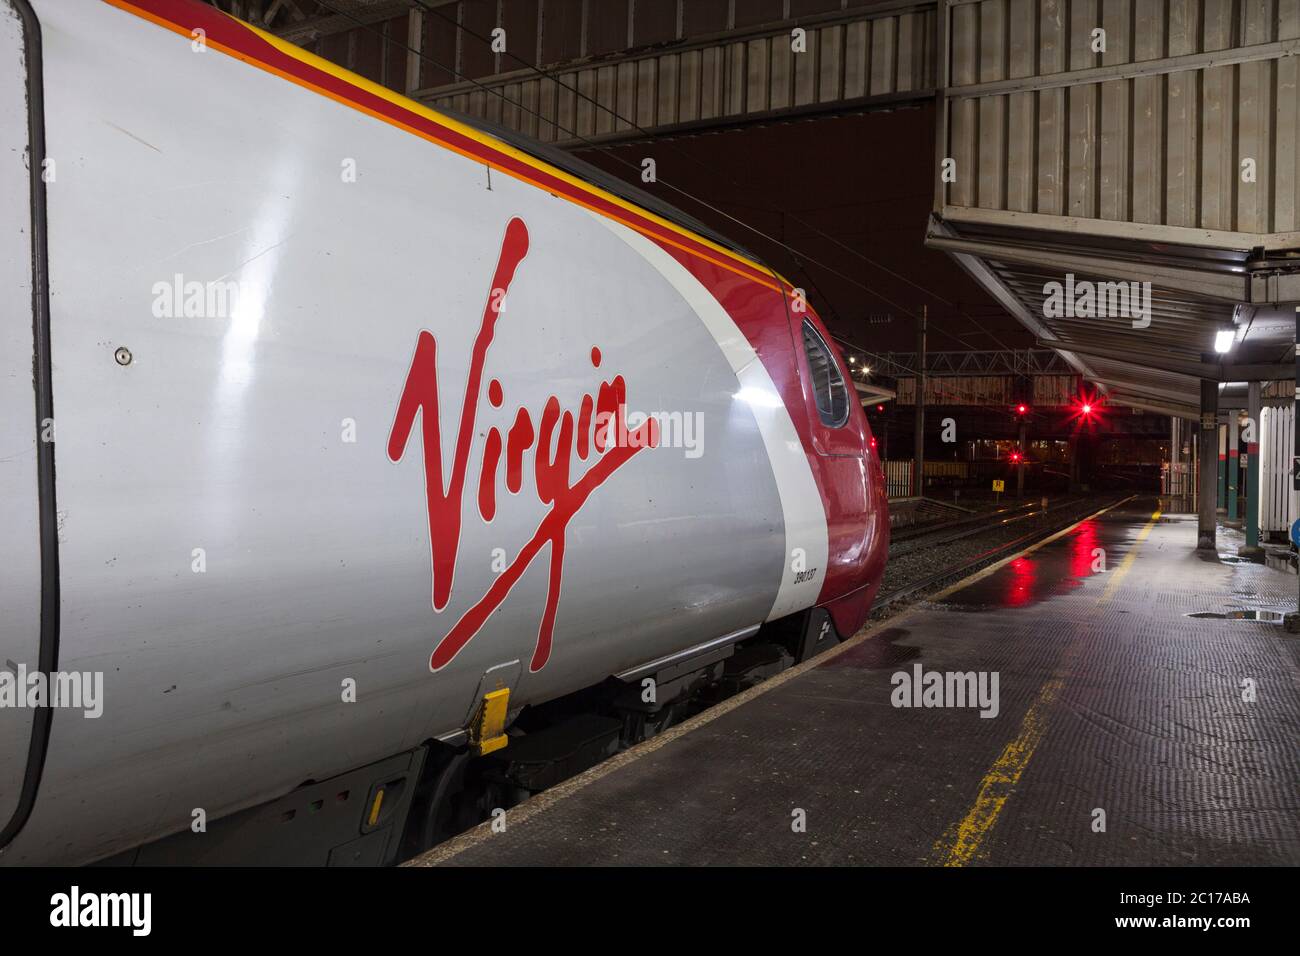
(1280, 562)
(1033, 578)
(1275, 560)
(1267, 617)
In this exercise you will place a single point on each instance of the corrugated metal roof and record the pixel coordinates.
(1131, 144)
(1139, 318)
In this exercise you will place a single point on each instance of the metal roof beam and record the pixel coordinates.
(1122, 384)
(981, 362)
(1119, 71)
(1228, 286)
(1221, 372)
(1175, 410)
(367, 11)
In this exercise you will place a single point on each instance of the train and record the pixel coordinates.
(366, 469)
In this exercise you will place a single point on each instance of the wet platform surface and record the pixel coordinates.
(1115, 709)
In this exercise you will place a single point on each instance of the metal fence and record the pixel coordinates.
(1279, 502)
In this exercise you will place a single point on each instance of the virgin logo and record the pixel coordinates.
(594, 433)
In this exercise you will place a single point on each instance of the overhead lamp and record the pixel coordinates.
(1223, 339)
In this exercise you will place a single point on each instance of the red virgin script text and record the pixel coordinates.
(594, 433)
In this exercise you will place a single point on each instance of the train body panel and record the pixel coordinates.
(330, 445)
(849, 477)
(20, 558)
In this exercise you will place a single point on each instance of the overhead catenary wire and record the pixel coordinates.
(799, 256)
(546, 74)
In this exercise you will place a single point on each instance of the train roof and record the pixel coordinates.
(517, 156)
(595, 176)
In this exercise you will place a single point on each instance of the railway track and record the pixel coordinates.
(1059, 517)
(932, 533)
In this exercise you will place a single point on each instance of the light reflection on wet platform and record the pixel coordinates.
(1177, 732)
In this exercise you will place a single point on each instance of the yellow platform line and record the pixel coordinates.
(535, 806)
(1113, 584)
(959, 844)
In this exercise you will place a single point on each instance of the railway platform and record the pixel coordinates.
(1119, 698)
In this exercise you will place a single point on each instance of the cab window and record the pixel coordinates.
(831, 394)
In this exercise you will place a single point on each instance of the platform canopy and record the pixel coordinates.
(1144, 319)
(1090, 152)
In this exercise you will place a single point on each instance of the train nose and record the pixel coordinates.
(876, 532)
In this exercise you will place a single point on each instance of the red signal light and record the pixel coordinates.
(1015, 456)
(1088, 409)
(1022, 409)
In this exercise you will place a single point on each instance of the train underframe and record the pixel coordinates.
(396, 808)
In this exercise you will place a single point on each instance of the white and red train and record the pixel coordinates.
(345, 442)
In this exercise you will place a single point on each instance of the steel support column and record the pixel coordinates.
(1208, 447)
(1234, 466)
(918, 456)
(1223, 468)
(1171, 467)
(1074, 453)
(1252, 474)
(1020, 465)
